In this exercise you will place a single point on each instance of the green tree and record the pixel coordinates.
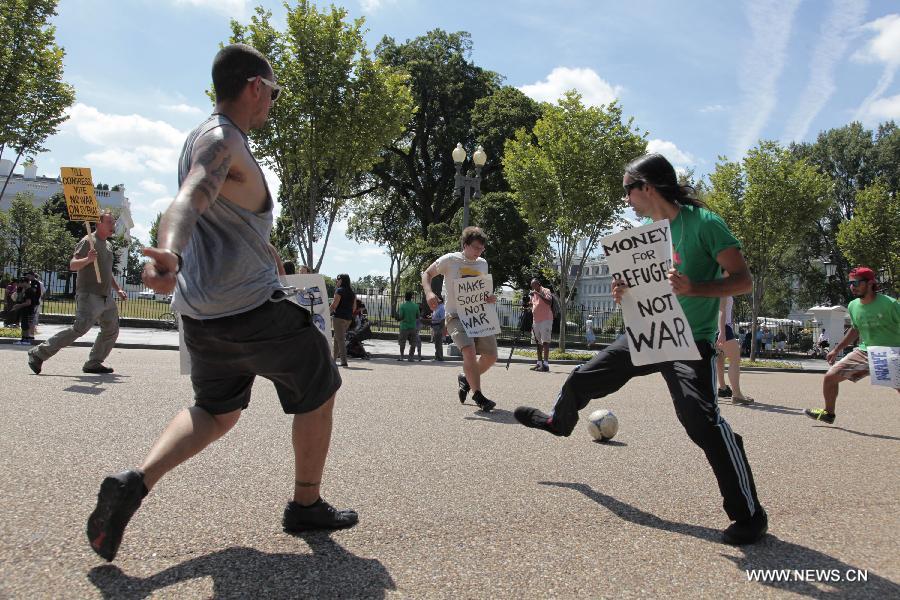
(497, 118)
(853, 157)
(771, 200)
(31, 239)
(56, 206)
(871, 237)
(154, 231)
(338, 108)
(568, 178)
(379, 218)
(33, 96)
(378, 283)
(445, 84)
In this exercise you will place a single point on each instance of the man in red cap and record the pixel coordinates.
(875, 320)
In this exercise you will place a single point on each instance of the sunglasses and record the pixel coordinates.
(630, 186)
(856, 282)
(276, 89)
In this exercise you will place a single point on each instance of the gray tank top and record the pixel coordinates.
(227, 266)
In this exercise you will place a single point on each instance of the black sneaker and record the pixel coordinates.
(819, 414)
(482, 402)
(463, 387)
(97, 369)
(545, 369)
(119, 497)
(532, 417)
(747, 531)
(725, 392)
(34, 363)
(320, 515)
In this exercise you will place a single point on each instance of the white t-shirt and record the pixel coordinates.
(453, 266)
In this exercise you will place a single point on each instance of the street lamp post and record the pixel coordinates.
(465, 184)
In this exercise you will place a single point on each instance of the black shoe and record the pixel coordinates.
(463, 387)
(119, 497)
(98, 370)
(725, 392)
(545, 369)
(34, 363)
(482, 402)
(320, 515)
(820, 414)
(344, 364)
(536, 367)
(532, 417)
(749, 530)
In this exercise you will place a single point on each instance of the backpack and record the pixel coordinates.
(554, 305)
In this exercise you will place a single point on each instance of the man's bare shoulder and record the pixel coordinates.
(213, 144)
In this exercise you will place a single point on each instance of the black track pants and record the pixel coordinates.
(692, 385)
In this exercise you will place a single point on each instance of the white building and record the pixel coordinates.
(594, 285)
(42, 188)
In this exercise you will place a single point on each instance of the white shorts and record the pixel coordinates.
(541, 331)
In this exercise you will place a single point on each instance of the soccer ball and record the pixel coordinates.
(603, 425)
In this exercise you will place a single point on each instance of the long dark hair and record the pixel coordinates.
(345, 283)
(657, 171)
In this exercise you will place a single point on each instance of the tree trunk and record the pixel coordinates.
(563, 295)
(9, 175)
(757, 294)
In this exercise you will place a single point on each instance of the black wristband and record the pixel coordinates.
(180, 262)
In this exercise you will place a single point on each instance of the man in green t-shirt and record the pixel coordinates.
(875, 321)
(702, 248)
(408, 312)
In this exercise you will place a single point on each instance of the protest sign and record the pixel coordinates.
(884, 366)
(655, 324)
(478, 316)
(312, 295)
(78, 190)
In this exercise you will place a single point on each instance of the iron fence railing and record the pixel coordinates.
(775, 336)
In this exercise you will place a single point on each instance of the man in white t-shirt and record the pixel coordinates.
(453, 266)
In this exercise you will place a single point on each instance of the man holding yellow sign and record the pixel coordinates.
(94, 302)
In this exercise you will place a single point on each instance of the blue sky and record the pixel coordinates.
(705, 78)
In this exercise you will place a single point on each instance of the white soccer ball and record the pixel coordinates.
(603, 425)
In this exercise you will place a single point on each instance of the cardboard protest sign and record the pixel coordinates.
(78, 188)
(884, 366)
(655, 324)
(479, 318)
(313, 296)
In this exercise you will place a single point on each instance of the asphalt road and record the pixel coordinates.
(453, 503)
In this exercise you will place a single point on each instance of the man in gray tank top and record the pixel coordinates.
(214, 253)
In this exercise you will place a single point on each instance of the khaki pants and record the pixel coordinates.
(89, 308)
(340, 338)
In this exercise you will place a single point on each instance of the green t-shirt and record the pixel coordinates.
(408, 312)
(877, 322)
(698, 235)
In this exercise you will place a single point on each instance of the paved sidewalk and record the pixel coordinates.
(159, 339)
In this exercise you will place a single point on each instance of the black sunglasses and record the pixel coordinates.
(856, 282)
(630, 186)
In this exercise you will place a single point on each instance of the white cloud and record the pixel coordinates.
(161, 204)
(770, 27)
(884, 48)
(593, 89)
(152, 187)
(229, 7)
(712, 108)
(370, 6)
(679, 158)
(130, 143)
(883, 109)
(838, 30)
(184, 109)
(141, 232)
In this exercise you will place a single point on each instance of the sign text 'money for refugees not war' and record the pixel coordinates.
(478, 316)
(655, 324)
(884, 366)
(78, 188)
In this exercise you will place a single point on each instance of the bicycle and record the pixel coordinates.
(169, 321)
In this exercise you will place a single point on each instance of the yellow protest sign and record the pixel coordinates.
(78, 188)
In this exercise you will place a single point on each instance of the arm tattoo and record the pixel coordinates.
(306, 484)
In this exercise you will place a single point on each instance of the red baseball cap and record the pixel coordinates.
(863, 273)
